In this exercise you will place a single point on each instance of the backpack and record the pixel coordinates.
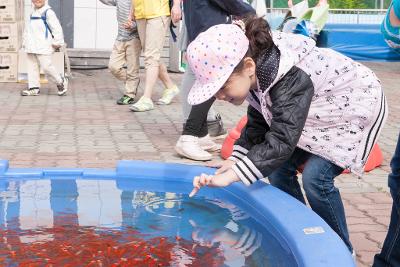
(43, 17)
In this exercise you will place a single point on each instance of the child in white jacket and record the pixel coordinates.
(42, 36)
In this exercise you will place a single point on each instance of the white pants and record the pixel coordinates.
(35, 61)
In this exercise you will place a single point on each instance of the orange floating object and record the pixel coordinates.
(375, 158)
(234, 134)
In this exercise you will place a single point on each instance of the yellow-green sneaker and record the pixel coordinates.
(125, 100)
(168, 95)
(143, 104)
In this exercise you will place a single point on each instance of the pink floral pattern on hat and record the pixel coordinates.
(212, 56)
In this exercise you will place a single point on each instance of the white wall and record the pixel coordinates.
(95, 25)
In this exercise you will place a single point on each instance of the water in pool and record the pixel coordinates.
(94, 223)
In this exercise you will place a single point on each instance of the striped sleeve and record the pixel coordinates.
(238, 153)
(247, 171)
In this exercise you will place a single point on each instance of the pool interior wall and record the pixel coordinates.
(311, 241)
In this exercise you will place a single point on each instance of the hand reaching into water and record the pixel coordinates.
(218, 180)
(222, 166)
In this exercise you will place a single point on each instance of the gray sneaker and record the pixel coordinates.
(216, 127)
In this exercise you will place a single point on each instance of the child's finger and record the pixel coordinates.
(196, 182)
(194, 191)
(208, 179)
(203, 180)
(199, 182)
(196, 186)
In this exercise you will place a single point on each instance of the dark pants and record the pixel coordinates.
(318, 183)
(196, 124)
(390, 254)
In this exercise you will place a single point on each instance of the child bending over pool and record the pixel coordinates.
(308, 106)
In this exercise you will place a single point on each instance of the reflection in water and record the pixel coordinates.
(63, 221)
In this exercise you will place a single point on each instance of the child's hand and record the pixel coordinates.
(129, 25)
(56, 47)
(222, 166)
(131, 16)
(220, 180)
(176, 13)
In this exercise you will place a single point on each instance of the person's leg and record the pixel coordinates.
(194, 139)
(33, 76)
(53, 74)
(118, 60)
(196, 123)
(285, 177)
(116, 65)
(171, 90)
(164, 77)
(324, 198)
(49, 69)
(153, 44)
(390, 254)
(133, 48)
(187, 84)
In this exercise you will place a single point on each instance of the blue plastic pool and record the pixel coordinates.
(237, 225)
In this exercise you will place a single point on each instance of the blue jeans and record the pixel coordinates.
(318, 183)
(390, 254)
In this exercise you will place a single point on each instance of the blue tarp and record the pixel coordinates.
(361, 42)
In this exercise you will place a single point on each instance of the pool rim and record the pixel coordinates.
(309, 247)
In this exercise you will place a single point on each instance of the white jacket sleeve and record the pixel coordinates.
(55, 27)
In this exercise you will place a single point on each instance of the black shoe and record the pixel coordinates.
(125, 100)
(216, 127)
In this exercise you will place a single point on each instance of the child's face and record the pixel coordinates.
(237, 87)
(38, 3)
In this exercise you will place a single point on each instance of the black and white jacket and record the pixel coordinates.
(315, 99)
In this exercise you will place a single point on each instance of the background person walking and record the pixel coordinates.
(153, 19)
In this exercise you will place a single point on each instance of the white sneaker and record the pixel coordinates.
(30, 92)
(188, 146)
(143, 104)
(168, 95)
(208, 144)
